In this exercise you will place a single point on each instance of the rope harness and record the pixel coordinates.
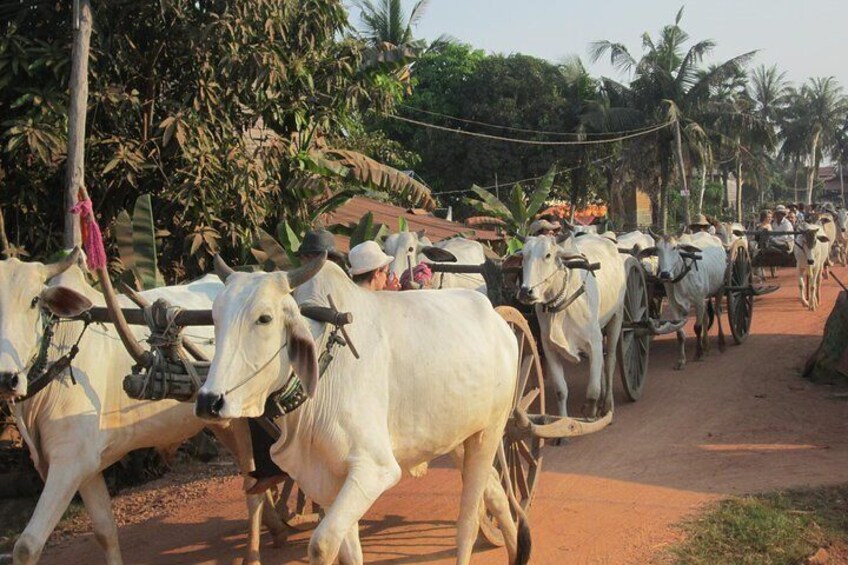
(42, 372)
(560, 302)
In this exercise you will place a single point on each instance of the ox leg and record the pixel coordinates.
(98, 504)
(480, 451)
(496, 502)
(58, 492)
(350, 552)
(613, 334)
(236, 438)
(681, 350)
(593, 391)
(556, 373)
(722, 342)
(802, 285)
(368, 478)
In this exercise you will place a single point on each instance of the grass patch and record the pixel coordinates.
(780, 528)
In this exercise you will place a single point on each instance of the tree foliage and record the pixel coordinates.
(217, 109)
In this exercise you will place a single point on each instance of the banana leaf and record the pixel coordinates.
(144, 243)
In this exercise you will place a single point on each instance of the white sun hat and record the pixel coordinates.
(367, 257)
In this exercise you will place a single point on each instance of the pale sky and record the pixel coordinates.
(802, 37)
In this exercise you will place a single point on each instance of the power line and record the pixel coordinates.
(562, 172)
(523, 130)
(528, 141)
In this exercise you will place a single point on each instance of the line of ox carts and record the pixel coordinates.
(356, 386)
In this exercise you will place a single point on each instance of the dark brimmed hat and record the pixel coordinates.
(318, 241)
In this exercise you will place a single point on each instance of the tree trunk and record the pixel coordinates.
(725, 180)
(842, 184)
(739, 189)
(74, 175)
(683, 177)
(703, 189)
(814, 169)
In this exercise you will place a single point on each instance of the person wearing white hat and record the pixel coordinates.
(369, 267)
(781, 223)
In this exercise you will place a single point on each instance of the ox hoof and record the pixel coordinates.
(722, 347)
(679, 365)
(590, 409)
(561, 441)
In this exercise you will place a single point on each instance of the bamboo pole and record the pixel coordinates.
(75, 169)
(683, 179)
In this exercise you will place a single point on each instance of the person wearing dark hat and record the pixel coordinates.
(316, 242)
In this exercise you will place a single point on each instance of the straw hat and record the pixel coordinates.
(539, 226)
(701, 221)
(367, 257)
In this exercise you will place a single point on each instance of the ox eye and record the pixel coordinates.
(548, 256)
(34, 302)
(264, 319)
(411, 250)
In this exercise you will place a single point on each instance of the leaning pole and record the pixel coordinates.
(77, 106)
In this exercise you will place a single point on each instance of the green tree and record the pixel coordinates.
(225, 112)
(811, 123)
(667, 86)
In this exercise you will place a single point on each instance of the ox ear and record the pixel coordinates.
(823, 238)
(421, 233)
(739, 233)
(303, 354)
(563, 237)
(64, 302)
(689, 248)
(645, 253)
(438, 254)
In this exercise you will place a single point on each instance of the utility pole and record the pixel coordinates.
(75, 171)
(685, 191)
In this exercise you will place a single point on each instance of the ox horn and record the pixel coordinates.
(654, 234)
(221, 268)
(305, 272)
(56, 269)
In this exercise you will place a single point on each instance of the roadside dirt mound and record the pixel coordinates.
(739, 422)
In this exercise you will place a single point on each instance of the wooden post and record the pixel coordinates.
(74, 174)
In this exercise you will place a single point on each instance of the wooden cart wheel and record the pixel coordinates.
(524, 457)
(634, 346)
(295, 508)
(739, 280)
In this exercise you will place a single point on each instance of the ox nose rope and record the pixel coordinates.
(257, 371)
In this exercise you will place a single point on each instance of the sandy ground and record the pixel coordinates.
(739, 422)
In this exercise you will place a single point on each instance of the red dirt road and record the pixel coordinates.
(740, 422)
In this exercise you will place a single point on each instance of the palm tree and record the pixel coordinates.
(668, 86)
(387, 22)
(812, 121)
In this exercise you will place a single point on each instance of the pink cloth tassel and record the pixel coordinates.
(92, 239)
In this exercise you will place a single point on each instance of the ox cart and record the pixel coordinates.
(175, 368)
(738, 290)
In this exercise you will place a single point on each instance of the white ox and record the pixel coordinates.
(437, 375)
(812, 248)
(413, 247)
(75, 431)
(551, 277)
(729, 232)
(689, 286)
(635, 242)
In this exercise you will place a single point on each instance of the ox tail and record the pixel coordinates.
(710, 314)
(522, 555)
